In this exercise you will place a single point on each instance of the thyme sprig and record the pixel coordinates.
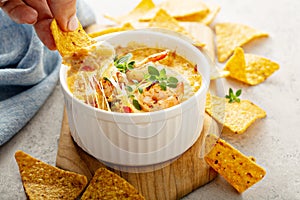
(136, 104)
(124, 63)
(154, 75)
(234, 97)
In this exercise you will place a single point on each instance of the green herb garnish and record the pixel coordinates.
(136, 104)
(140, 90)
(233, 97)
(123, 63)
(129, 89)
(161, 77)
(106, 79)
(172, 82)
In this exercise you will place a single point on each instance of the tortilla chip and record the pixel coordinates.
(213, 11)
(249, 68)
(177, 9)
(127, 26)
(138, 12)
(108, 185)
(202, 33)
(43, 181)
(205, 19)
(231, 35)
(235, 116)
(239, 170)
(163, 20)
(237, 65)
(70, 42)
(210, 142)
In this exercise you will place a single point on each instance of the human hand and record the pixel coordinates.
(40, 13)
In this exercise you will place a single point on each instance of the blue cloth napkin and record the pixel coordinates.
(28, 71)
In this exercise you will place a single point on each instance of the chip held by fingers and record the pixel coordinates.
(239, 170)
(249, 68)
(232, 35)
(43, 181)
(70, 42)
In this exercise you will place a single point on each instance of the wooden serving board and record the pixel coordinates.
(173, 181)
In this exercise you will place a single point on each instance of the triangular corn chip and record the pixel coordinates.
(163, 20)
(70, 42)
(239, 170)
(127, 26)
(43, 181)
(249, 68)
(213, 11)
(108, 185)
(205, 19)
(232, 35)
(138, 12)
(237, 65)
(177, 9)
(201, 33)
(236, 116)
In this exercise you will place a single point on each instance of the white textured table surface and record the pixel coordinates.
(274, 141)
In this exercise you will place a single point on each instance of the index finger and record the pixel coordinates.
(64, 11)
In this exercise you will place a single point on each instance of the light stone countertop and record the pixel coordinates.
(273, 141)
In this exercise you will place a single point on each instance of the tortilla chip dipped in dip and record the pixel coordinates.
(249, 68)
(69, 42)
(232, 35)
(81, 52)
(76, 45)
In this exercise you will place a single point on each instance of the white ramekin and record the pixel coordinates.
(140, 139)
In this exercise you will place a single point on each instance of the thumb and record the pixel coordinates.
(64, 11)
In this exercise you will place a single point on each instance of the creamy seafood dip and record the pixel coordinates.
(137, 80)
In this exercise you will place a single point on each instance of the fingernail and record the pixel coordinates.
(31, 16)
(73, 23)
(31, 19)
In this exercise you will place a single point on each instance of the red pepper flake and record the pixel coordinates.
(127, 109)
(196, 68)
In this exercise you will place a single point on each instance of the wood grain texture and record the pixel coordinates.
(173, 181)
